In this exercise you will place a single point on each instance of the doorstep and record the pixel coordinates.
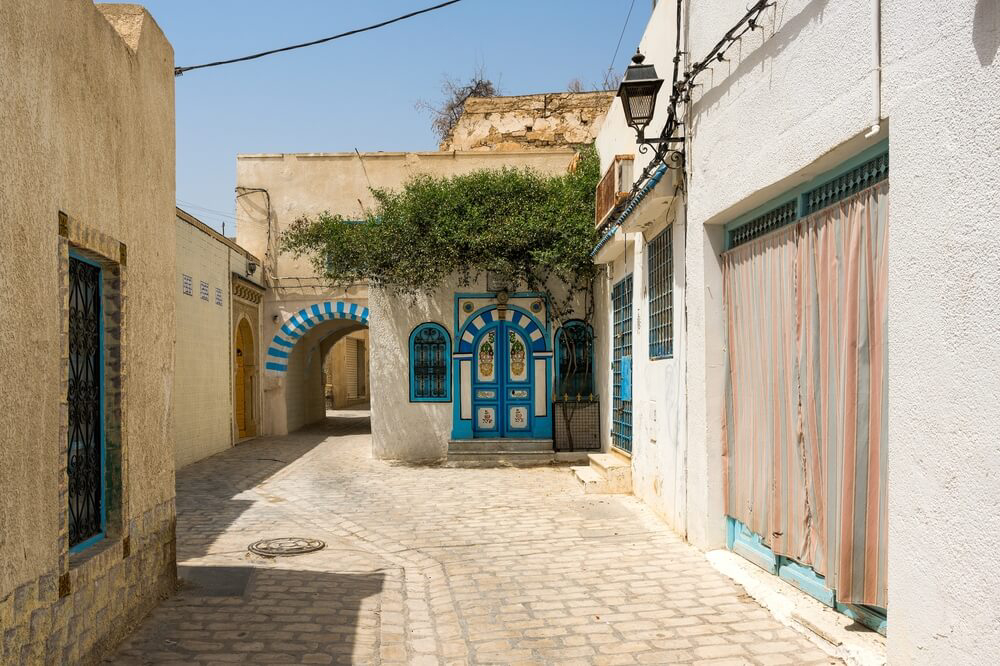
(507, 452)
(833, 632)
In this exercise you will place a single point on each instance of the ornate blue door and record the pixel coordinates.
(502, 385)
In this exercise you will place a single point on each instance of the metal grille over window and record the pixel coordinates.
(848, 183)
(86, 424)
(576, 361)
(429, 359)
(621, 418)
(661, 295)
(763, 224)
(862, 177)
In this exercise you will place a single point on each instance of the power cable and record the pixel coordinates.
(621, 36)
(178, 71)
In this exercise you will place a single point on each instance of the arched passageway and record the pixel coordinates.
(317, 360)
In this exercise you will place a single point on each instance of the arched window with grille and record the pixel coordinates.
(430, 364)
(575, 360)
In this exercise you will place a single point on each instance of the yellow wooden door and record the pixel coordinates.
(239, 384)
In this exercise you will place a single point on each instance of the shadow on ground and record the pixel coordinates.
(212, 495)
(234, 614)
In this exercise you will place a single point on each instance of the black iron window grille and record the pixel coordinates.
(85, 462)
(430, 360)
(577, 424)
(575, 361)
(661, 295)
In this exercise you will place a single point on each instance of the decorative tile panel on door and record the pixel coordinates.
(621, 417)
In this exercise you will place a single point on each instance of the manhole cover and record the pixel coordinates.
(285, 546)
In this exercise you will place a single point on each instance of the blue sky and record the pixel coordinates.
(360, 92)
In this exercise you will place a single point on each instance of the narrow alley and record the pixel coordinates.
(429, 565)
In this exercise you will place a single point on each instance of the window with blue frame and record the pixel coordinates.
(575, 360)
(430, 364)
(86, 455)
(661, 295)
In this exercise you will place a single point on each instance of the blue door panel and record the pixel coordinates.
(502, 382)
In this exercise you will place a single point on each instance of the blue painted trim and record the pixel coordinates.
(102, 402)
(300, 323)
(798, 192)
(751, 546)
(870, 616)
(447, 363)
(806, 579)
(633, 203)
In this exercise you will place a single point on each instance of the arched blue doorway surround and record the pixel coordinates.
(502, 369)
(300, 323)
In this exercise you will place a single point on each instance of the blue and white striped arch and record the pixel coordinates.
(528, 324)
(300, 323)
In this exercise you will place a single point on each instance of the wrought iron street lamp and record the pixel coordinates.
(638, 91)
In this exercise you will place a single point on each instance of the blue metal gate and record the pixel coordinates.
(621, 415)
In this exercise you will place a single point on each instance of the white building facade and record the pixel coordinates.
(781, 254)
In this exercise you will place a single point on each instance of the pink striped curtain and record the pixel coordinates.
(817, 366)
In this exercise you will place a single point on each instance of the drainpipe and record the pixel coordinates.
(876, 66)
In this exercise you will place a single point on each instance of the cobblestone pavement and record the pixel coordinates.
(436, 565)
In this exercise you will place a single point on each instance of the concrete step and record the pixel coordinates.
(501, 459)
(609, 461)
(608, 473)
(593, 483)
(499, 446)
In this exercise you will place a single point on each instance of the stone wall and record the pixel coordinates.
(552, 120)
(87, 129)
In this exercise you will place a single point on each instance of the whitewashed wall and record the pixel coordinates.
(659, 438)
(942, 94)
(791, 101)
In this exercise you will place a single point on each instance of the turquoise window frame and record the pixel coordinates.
(447, 363)
(100, 536)
(660, 295)
(557, 348)
(798, 196)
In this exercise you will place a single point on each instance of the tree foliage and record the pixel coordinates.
(525, 227)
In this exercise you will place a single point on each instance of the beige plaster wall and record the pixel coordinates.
(310, 183)
(203, 397)
(532, 122)
(340, 386)
(86, 127)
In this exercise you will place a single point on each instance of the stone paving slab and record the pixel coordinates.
(437, 565)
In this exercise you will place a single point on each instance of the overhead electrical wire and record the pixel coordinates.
(178, 71)
(621, 36)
